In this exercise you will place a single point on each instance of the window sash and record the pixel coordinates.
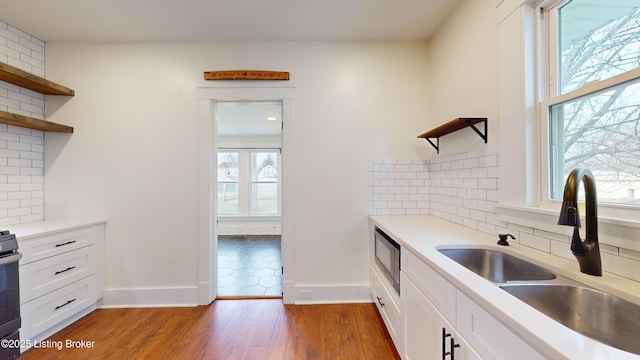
(548, 75)
(247, 180)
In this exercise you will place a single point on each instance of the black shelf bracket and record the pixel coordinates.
(484, 136)
(436, 145)
(455, 125)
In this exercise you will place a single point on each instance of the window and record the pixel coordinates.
(593, 112)
(264, 182)
(228, 183)
(248, 182)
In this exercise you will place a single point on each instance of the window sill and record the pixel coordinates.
(547, 219)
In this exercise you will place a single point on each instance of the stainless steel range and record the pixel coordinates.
(9, 297)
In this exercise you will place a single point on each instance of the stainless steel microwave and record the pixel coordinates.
(387, 256)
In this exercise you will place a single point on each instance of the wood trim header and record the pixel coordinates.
(246, 75)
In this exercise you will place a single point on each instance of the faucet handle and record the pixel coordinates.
(503, 239)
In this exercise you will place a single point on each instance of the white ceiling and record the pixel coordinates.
(225, 20)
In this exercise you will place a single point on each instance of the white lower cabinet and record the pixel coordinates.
(61, 276)
(388, 306)
(427, 334)
(438, 321)
(488, 336)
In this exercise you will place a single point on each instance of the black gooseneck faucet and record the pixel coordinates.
(588, 251)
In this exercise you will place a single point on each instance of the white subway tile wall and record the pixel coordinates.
(398, 187)
(461, 188)
(464, 189)
(21, 149)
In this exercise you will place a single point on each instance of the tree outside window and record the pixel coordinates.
(599, 130)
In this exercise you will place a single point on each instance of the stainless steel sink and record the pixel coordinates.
(497, 266)
(595, 314)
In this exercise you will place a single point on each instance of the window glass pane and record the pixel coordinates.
(599, 131)
(227, 198)
(264, 166)
(598, 40)
(264, 198)
(227, 166)
(228, 183)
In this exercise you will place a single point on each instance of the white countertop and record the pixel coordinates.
(47, 227)
(422, 234)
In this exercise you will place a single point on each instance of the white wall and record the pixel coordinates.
(463, 74)
(133, 156)
(464, 81)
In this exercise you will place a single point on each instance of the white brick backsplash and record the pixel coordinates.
(27, 53)
(402, 186)
(21, 149)
(464, 189)
(21, 190)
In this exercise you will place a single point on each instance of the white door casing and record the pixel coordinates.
(207, 213)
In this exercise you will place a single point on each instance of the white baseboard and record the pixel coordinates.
(188, 296)
(150, 297)
(332, 294)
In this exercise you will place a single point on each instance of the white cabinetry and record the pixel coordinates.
(387, 302)
(429, 314)
(60, 278)
(488, 336)
(435, 312)
(427, 334)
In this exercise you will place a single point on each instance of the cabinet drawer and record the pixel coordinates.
(46, 311)
(390, 311)
(436, 288)
(488, 336)
(50, 245)
(41, 277)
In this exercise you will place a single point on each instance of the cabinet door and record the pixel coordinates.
(488, 336)
(423, 329)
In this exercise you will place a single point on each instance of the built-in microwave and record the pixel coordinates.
(387, 256)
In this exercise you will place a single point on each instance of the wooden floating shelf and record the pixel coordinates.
(32, 123)
(35, 83)
(454, 125)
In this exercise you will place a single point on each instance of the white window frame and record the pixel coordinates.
(245, 182)
(549, 96)
(525, 87)
(253, 181)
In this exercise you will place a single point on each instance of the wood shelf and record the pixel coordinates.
(32, 123)
(454, 125)
(35, 83)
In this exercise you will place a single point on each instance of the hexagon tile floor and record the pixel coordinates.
(249, 265)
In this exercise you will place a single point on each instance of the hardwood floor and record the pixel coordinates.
(227, 329)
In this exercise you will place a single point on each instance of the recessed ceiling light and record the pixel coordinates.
(271, 118)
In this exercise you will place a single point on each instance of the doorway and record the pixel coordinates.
(207, 189)
(248, 183)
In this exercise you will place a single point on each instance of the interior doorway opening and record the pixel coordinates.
(249, 198)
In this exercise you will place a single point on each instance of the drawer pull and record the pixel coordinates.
(65, 304)
(66, 243)
(380, 301)
(65, 270)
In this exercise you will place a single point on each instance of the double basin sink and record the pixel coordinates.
(590, 312)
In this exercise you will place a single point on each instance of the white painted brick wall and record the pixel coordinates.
(398, 187)
(21, 149)
(464, 189)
